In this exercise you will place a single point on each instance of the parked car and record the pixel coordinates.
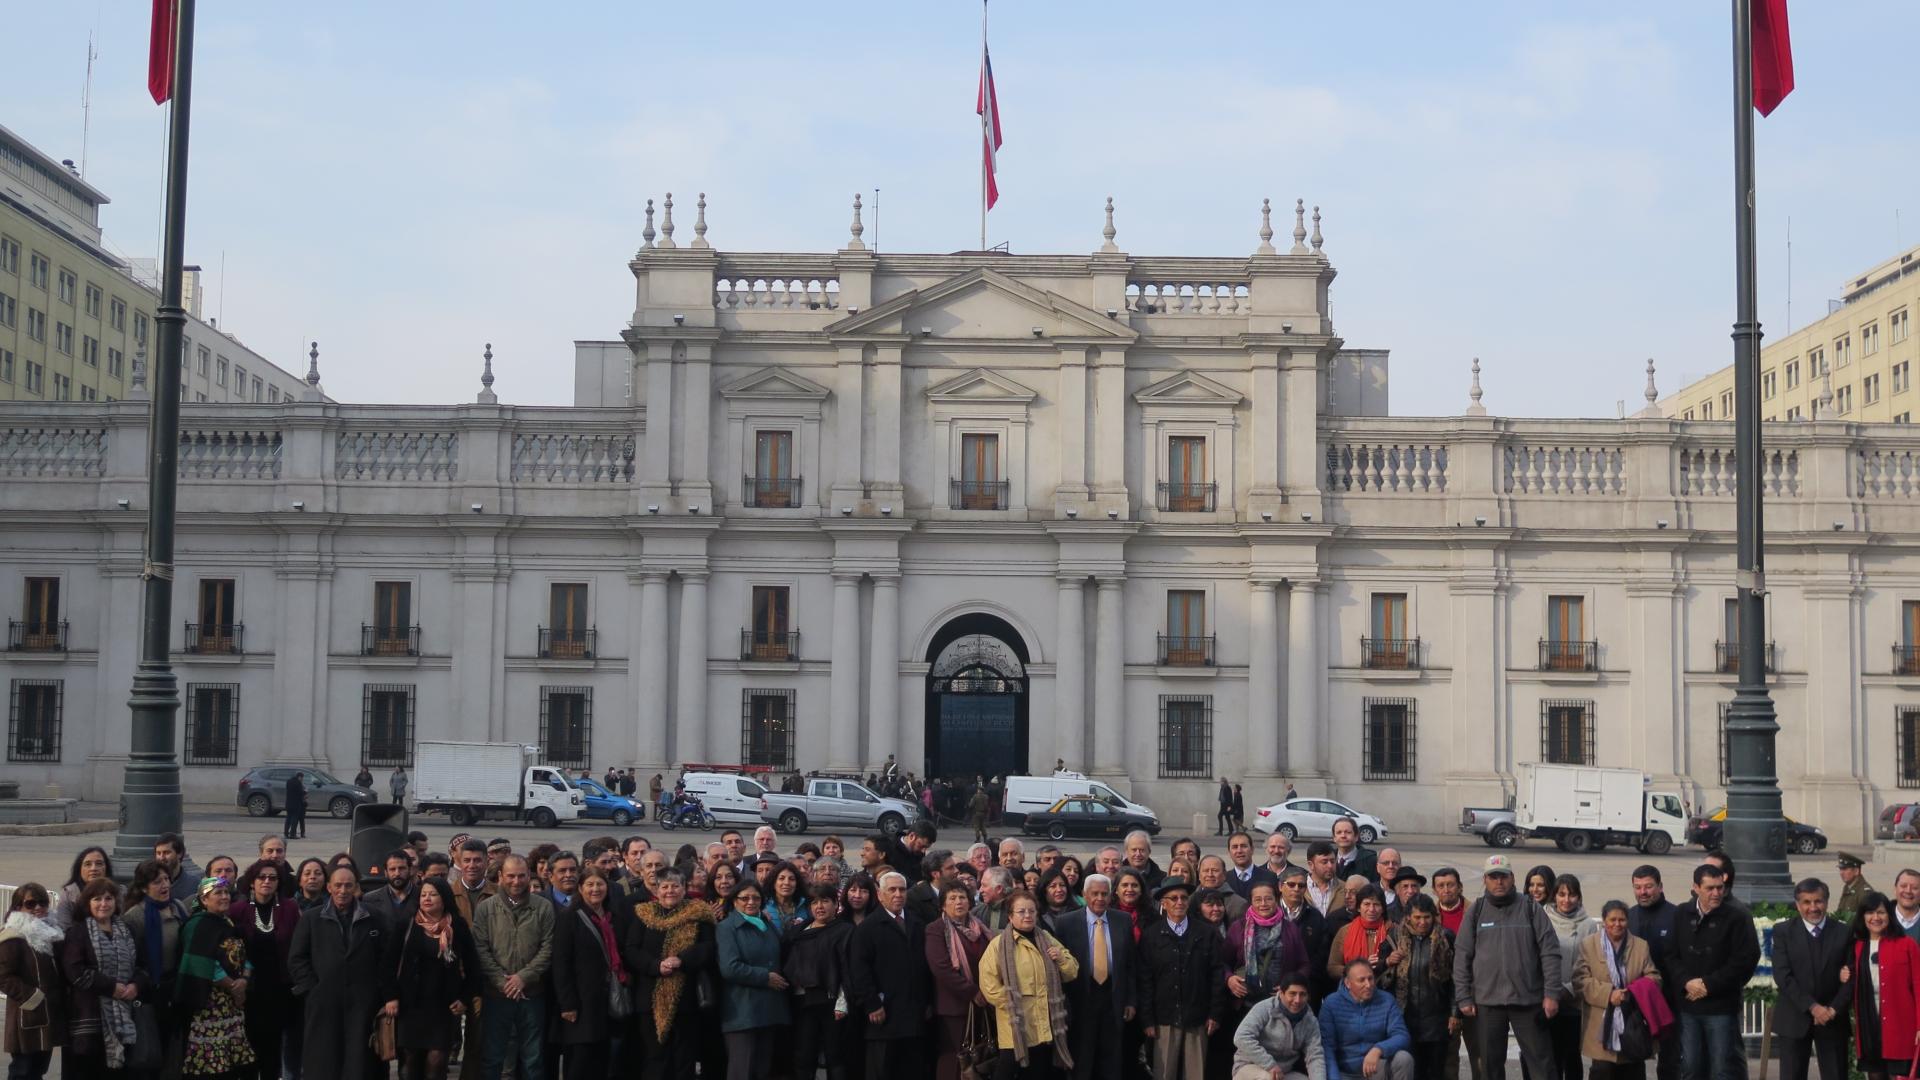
(1802, 839)
(263, 791)
(604, 804)
(1901, 821)
(838, 804)
(1087, 816)
(1313, 819)
(1025, 795)
(1495, 825)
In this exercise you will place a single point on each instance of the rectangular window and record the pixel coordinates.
(1870, 389)
(1907, 660)
(1706, 409)
(567, 621)
(1903, 418)
(772, 483)
(10, 255)
(33, 720)
(69, 284)
(1843, 400)
(1187, 487)
(769, 640)
(1726, 404)
(1386, 739)
(1816, 363)
(1186, 736)
(213, 724)
(1843, 350)
(39, 271)
(90, 351)
(219, 372)
(36, 377)
(980, 487)
(1900, 372)
(1906, 724)
(94, 296)
(36, 325)
(1566, 618)
(239, 381)
(63, 338)
(766, 728)
(386, 727)
(218, 629)
(62, 388)
(256, 388)
(1794, 413)
(1897, 326)
(1726, 750)
(392, 619)
(1793, 374)
(42, 615)
(9, 312)
(1566, 732)
(1870, 339)
(117, 314)
(140, 327)
(6, 365)
(1392, 644)
(1767, 385)
(116, 362)
(273, 395)
(88, 393)
(566, 725)
(1187, 643)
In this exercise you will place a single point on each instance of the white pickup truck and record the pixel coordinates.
(832, 803)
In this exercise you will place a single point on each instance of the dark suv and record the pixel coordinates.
(263, 791)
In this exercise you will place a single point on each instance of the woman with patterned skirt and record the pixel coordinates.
(212, 987)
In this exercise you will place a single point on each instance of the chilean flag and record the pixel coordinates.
(160, 52)
(989, 109)
(1772, 55)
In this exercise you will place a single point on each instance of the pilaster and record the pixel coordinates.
(647, 667)
(1306, 674)
(885, 378)
(1112, 732)
(1265, 738)
(843, 686)
(883, 670)
(690, 682)
(1070, 672)
(1071, 488)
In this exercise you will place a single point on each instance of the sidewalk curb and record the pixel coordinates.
(60, 828)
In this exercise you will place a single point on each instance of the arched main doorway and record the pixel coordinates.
(977, 691)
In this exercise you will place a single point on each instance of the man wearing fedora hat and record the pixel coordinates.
(1182, 988)
(1405, 884)
(1506, 966)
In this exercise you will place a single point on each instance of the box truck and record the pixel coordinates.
(476, 781)
(1583, 808)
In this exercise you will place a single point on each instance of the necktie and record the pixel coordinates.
(1816, 933)
(1100, 951)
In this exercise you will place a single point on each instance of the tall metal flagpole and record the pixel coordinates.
(150, 797)
(1755, 834)
(986, 126)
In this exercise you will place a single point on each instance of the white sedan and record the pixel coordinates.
(1313, 819)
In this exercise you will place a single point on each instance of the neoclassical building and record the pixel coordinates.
(977, 511)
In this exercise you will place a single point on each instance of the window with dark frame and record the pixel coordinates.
(980, 472)
(1187, 642)
(216, 630)
(42, 630)
(1907, 658)
(1186, 736)
(772, 484)
(770, 623)
(386, 730)
(567, 610)
(1187, 474)
(1566, 634)
(1391, 646)
(1387, 739)
(1566, 732)
(33, 719)
(1726, 749)
(392, 618)
(1906, 729)
(767, 728)
(566, 725)
(213, 724)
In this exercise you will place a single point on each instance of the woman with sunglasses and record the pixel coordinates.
(266, 925)
(31, 979)
(753, 993)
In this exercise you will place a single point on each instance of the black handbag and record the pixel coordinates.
(1636, 1037)
(149, 1050)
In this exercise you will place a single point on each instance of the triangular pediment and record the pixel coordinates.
(980, 384)
(984, 305)
(1188, 388)
(773, 382)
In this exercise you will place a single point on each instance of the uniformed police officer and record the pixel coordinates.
(1855, 889)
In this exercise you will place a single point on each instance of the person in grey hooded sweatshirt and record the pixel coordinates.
(1507, 970)
(1279, 1039)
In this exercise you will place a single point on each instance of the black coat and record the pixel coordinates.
(642, 949)
(428, 986)
(398, 913)
(1365, 862)
(1244, 889)
(345, 973)
(1072, 930)
(1807, 973)
(1719, 949)
(296, 795)
(579, 980)
(887, 967)
(1180, 978)
(1313, 928)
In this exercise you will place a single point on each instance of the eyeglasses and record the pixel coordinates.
(34, 905)
(268, 878)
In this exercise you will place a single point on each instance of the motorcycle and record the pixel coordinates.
(690, 813)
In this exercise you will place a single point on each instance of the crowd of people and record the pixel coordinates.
(903, 957)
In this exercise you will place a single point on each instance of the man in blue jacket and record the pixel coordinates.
(1362, 1031)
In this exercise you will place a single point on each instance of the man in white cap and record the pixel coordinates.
(1506, 964)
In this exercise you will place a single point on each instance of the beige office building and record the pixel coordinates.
(1863, 347)
(74, 316)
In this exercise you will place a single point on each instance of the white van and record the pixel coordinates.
(1034, 794)
(733, 799)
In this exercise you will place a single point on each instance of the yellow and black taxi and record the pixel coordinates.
(1084, 815)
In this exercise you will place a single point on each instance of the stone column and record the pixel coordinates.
(474, 656)
(848, 422)
(1304, 676)
(1072, 484)
(1109, 681)
(647, 670)
(655, 466)
(1265, 740)
(690, 712)
(1070, 674)
(843, 686)
(1109, 377)
(883, 672)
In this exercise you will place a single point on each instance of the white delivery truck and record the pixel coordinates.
(476, 781)
(1035, 794)
(1582, 808)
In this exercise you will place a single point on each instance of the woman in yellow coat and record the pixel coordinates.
(1610, 961)
(1021, 975)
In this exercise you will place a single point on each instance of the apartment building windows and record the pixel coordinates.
(1843, 350)
(1767, 385)
(116, 362)
(1870, 339)
(1726, 404)
(117, 314)
(88, 393)
(62, 388)
(36, 378)
(1897, 326)
(1870, 389)
(140, 327)
(36, 325)
(1794, 413)
(1901, 376)
(63, 338)
(239, 382)
(1843, 400)
(1706, 409)
(1903, 418)
(90, 351)
(94, 296)
(69, 286)
(256, 388)
(9, 256)
(219, 371)
(9, 312)
(6, 365)
(1793, 373)
(39, 271)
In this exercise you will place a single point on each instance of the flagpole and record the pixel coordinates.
(986, 127)
(1755, 833)
(150, 803)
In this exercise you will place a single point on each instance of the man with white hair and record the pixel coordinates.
(766, 841)
(1107, 861)
(1279, 854)
(1013, 855)
(888, 981)
(979, 856)
(995, 886)
(1140, 858)
(1101, 999)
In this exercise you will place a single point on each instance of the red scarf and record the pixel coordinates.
(604, 924)
(1363, 940)
(1133, 913)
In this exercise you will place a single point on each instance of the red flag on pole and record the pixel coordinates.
(1772, 55)
(989, 109)
(160, 53)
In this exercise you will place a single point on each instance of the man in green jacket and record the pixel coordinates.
(513, 935)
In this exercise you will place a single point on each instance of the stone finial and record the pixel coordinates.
(856, 229)
(139, 388)
(486, 395)
(1476, 409)
(666, 223)
(647, 234)
(1266, 228)
(1317, 239)
(1107, 231)
(1823, 405)
(313, 365)
(700, 223)
(1299, 227)
(1653, 392)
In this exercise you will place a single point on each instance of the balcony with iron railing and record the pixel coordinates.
(1178, 650)
(214, 639)
(1906, 659)
(389, 640)
(770, 646)
(1186, 498)
(1390, 654)
(771, 492)
(1726, 657)
(568, 643)
(36, 635)
(979, 494)
(1569, 655)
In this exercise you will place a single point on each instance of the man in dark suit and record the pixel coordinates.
(888, 982)
(1100, 1000)
(1350, 855)
(1811, 1016)
(937, 872)
(1242, 873)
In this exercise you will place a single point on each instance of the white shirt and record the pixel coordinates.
(1319, 897)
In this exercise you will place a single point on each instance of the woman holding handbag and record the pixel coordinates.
(955, 944)
(1610, 962)
(212, 986)
(30, 976)
(1885, 974)
(592, 996)
(438, 979)
(669, 952)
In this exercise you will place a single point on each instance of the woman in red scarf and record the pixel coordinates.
(1264, 947)
(586, 964)
(1365, 937)
(954, 945)
(1130, 896)
(439, 981)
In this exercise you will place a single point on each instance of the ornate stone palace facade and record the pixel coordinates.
(979, 511)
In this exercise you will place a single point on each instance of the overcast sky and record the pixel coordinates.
(1545, 186)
